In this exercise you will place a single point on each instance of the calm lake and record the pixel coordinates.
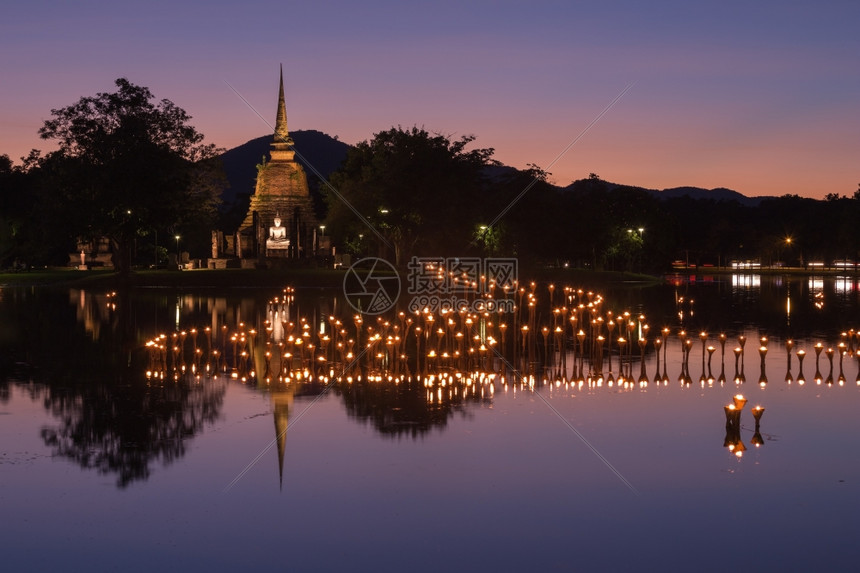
(201, 452)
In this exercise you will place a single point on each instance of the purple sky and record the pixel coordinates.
(761, 97)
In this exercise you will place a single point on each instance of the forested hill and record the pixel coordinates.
(718, 194)
(696, 193)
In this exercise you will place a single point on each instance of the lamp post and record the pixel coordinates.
(178, 263)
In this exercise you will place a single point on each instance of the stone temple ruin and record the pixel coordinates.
(280, 225)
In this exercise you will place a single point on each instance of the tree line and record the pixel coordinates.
(408, 192)
(126, 168)
(133, 170)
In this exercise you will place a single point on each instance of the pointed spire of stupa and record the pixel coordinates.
(281, 402)
(282, 134)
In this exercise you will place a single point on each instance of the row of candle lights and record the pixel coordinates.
(580, 335)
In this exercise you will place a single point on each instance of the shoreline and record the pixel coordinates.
(267, 278)
(333, 278)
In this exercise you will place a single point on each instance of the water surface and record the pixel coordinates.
(103, 468)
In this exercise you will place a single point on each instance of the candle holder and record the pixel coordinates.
(801, 379)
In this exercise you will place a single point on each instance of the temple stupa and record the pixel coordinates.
(280, 223)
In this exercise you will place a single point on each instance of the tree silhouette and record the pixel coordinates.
(127, 166)
(418, 190)
(404, 409)
(123, 431)
(109, 416)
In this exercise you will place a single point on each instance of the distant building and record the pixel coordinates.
(280, 223)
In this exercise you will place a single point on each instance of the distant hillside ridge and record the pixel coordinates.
(696, 193)
(716, 194)
(326, 154)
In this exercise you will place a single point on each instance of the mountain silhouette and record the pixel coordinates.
(316, 151)
(321, 153)
(695, 193)
(718, 194)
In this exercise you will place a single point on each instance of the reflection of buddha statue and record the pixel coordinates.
(277, 236)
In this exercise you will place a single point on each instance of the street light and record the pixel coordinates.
(177, 237)
(787, 246)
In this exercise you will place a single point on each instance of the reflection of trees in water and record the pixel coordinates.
(86, 367)
(407, 407)
(123, 430)
(91, 379)
(275, 347)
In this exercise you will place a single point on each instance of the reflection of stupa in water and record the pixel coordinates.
(283, 397)
(280, 222)
(282, 404)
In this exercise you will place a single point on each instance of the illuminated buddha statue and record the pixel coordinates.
(277, 236)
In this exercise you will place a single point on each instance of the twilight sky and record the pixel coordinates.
(762, 97)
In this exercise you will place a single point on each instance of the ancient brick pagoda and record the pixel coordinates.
(280, 223)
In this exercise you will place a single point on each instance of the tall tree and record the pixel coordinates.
(420, 191)
(17, 202)
(127, 166)
(8, 211)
